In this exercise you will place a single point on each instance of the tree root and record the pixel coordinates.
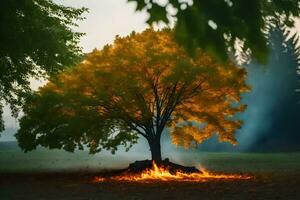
(139, 166)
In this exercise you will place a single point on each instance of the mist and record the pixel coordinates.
(273, 112)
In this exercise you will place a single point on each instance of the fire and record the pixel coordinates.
(163, 174)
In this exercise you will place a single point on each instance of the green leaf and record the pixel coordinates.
(157, 13)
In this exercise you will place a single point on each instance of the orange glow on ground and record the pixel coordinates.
(163, 174)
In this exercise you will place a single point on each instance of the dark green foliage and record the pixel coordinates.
(216, 25)
(54, 120)
(36, 40)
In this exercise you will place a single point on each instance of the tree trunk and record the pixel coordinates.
(155, 150)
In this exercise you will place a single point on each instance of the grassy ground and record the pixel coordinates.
(58, 175)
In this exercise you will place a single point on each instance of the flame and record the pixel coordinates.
(163, 174)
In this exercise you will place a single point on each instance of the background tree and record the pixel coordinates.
(272, 118)
(136, 87)
(36, 40)
(220, 26)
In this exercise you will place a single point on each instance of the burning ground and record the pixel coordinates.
(273, 176)
(164, 173)
(79, 186)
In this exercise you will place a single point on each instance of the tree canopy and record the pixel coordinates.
(136, 87)
(36, 40)
(240, 27)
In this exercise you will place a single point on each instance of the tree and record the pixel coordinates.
(36, 40)
(138, 86)
(220, 26)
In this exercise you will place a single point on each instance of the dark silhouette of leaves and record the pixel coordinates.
(238, 25)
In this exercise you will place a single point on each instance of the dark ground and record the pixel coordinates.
(277, 176)
(81, 186)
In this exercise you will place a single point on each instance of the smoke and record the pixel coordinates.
(271, 119)
(261, 103)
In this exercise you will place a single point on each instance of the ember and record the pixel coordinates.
(163, 174)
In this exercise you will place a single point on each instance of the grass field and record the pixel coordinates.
(59, 175)
(15, 161)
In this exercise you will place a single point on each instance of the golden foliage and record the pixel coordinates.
(148, 82)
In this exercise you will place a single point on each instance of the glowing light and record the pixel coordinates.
(163, 174)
